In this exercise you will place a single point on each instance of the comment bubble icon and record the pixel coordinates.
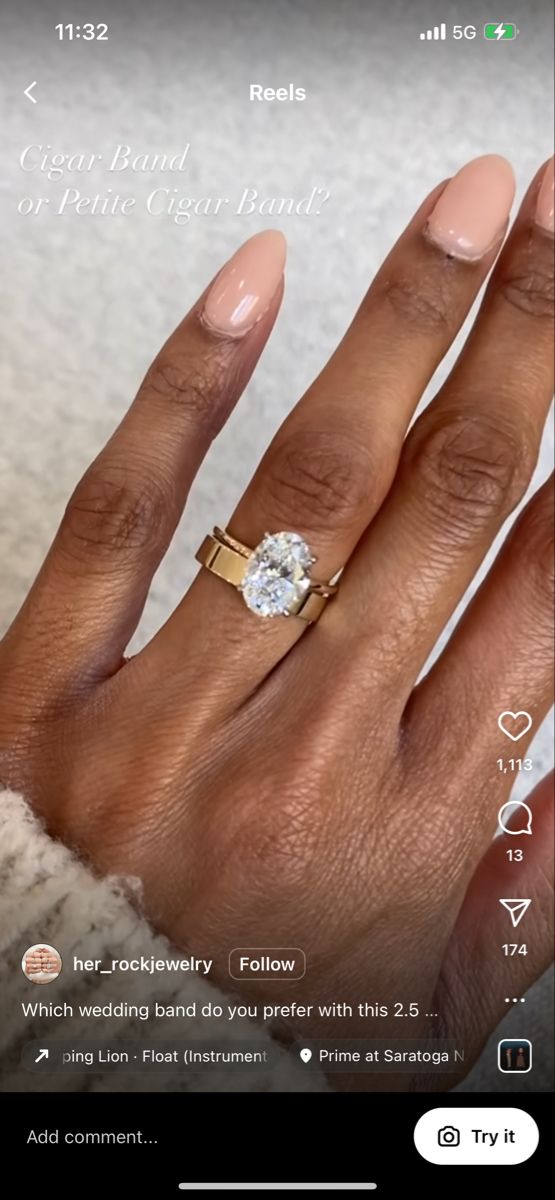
(522, 814)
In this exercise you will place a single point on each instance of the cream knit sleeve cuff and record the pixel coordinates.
(48, 896)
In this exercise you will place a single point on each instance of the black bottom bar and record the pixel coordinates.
(233, 1137)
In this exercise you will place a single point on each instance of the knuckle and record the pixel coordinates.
(275, 839)
(285, 835)
(529, 287)
(113, 511)
(286, 845)
(318, 478)
(538, 543)
(473, 471)
(423, 304)
(190, 384)
(544, 575)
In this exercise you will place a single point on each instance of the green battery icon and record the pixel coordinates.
(500, 31)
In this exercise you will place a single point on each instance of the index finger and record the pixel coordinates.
(88, 597)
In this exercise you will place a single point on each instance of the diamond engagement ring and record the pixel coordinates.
(273, 579)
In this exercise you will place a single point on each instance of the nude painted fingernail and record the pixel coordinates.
(471, 213)
(544, 205)
(245, 287)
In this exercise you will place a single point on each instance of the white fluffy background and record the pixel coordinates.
(86, 302)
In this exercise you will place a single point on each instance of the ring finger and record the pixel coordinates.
(332, 462)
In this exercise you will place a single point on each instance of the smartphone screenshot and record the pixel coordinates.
(276, 606)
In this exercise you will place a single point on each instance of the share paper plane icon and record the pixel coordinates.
(516, 909)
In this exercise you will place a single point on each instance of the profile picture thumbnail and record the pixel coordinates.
(41, 963)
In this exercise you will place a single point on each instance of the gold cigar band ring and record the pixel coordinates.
(274, 579)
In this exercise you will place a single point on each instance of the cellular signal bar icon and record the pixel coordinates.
(437, 34)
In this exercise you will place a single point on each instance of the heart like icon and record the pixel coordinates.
(508, 718)
(306, 1054)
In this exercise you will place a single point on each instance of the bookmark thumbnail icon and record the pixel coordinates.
(516, 909)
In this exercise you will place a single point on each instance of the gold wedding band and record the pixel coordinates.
(273, 579)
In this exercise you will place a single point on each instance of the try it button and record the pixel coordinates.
(476, 1136)
(262, 962)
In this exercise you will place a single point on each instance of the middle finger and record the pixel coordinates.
(467, 461)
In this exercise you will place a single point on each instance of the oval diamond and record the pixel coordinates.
(277, 578)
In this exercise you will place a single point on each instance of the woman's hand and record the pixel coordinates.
(34, 962)
(42, 960)
(277, 790)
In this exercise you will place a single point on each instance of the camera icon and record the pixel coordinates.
(449, 1136)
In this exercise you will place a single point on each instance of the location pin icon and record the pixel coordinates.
(306, 1054)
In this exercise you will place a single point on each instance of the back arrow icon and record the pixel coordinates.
(28, 91)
